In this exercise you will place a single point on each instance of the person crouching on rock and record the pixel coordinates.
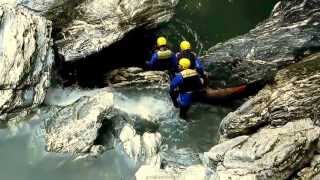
(186, 52)
(188, 86)
(163, 58)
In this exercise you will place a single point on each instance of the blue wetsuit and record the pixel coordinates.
(187, 82)
(163, 60)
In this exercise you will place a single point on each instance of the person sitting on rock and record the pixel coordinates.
(186, 52)
(163, 58)
(187, 86)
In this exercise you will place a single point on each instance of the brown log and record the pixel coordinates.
(226, 92)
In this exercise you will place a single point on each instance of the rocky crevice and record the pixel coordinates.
(290, 33)
(84, 28)
(274, 135)
(288, 140)
(90, 123)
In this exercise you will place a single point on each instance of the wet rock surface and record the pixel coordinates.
(90, 124)
(87, 26)
(312, 171)
(295, 94)
(74, 128)
(198, 172)
(291, 32)
(281, 127)
(26, 59)
(134, 76)
(271, 152)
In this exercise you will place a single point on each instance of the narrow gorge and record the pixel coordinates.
(77, 102)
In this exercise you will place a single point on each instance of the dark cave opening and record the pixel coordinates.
(133, 50)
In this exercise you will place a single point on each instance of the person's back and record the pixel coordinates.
(163, 58)
(187, 83)
(191, 81)
(186, 52)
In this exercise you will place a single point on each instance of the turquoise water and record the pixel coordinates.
(204, 23)
(23, 157)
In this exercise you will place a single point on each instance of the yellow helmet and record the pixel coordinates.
(185, 45)
(184, 63)
(161, 41)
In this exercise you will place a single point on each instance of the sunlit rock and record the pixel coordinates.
(197, 172)
(74, 128)
(283, 128)
(88, 122)
(26, 59)
(216, 153)
(85, 27)
(312, 171)
(272, 152)
(291, 32)
(295, 94)
(133, 76)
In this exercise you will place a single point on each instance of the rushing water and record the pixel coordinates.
(23, 157)
(23, 144)
(204, 23)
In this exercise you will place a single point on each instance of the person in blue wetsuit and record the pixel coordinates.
(186, 52)
(163, 58)
(188, 85)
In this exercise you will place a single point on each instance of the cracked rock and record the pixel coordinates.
(26, 59)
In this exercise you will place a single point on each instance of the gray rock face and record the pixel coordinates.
(74, 128)
(282, 124)
(87, 123)
(26, 59)
(216, 154)
(294, 95)
(135, 76)
(197, 172)
(291, 32)
(311, 172)
(87, 26)
(272, 153)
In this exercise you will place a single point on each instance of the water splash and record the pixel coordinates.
(59, 96)
(153, 107)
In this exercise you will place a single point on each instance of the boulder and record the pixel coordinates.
(75, 128)
(197, 172)
(85, 27)
(272, 153)
(294, 95)
(312, 171)
(26, 59)
(87, 123)
(280, 127)
(291, 32)
(134, 76)
(216, 153)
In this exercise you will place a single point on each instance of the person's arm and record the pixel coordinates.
(173, 89)
(153, 60)
(176, 82)
(174, 62)
(199, 66)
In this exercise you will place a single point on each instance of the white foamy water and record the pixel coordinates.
(151, 106)
(59, 96)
